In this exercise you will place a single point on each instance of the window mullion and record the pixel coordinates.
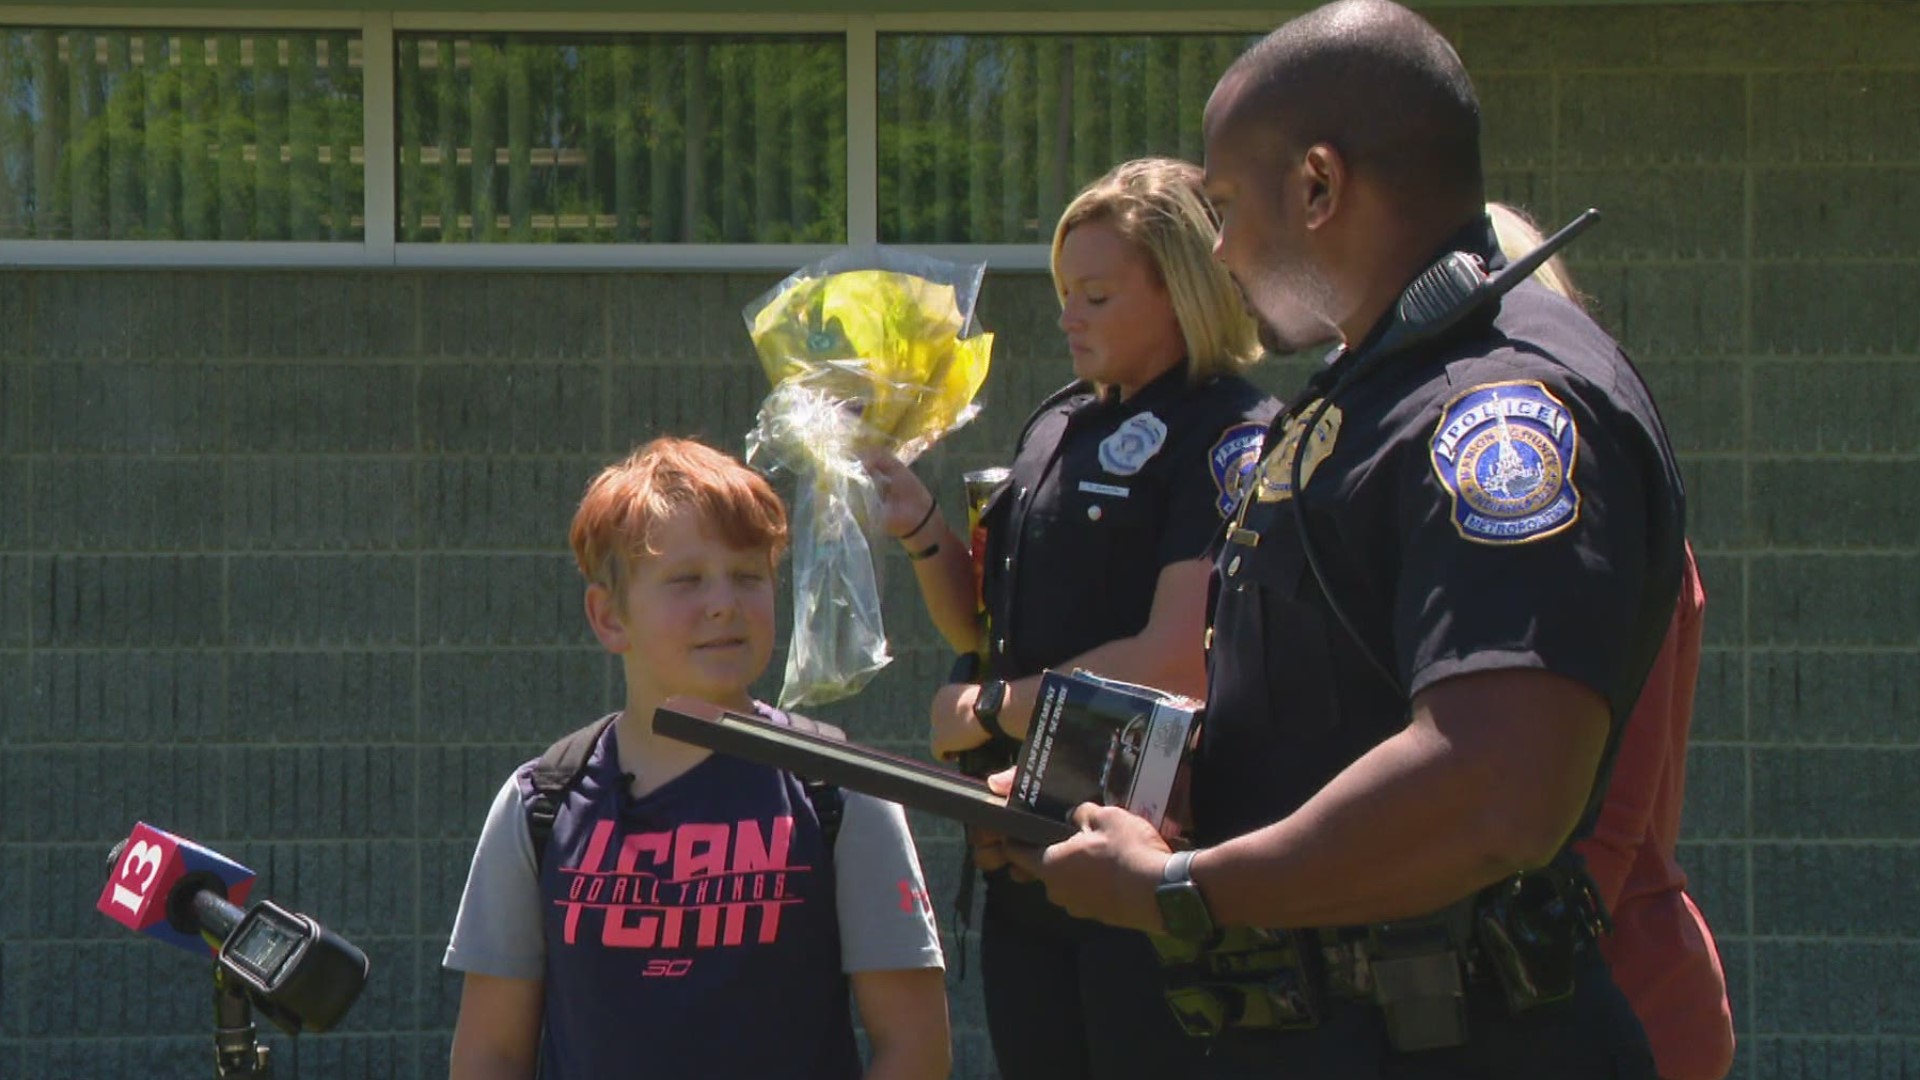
(377, 136)
(863, 132)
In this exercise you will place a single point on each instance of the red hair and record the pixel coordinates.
(611, 529)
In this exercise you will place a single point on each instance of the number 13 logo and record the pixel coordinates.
(140, 865)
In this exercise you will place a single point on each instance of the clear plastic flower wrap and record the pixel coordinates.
(867, 350)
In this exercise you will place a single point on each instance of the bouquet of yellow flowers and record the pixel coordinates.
(867, 351)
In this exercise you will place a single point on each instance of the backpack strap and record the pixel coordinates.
(565, 762)
(553, 776)
(829, 802)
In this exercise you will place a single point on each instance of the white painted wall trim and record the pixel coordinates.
(784, 258)
(231, 254)
(863, 133)
(618, 22)
(381, 206)
(123, 254)
(183, 18)
(1066, 22)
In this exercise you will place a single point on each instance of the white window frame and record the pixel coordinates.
(381, 249)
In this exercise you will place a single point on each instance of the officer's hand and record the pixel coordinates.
(990, 848)
(1108, 871)
(902, 500)
(954, 728)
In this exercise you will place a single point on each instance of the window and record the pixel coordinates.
(157, 134)
(651, 138)
(526, 139)
(984, 138)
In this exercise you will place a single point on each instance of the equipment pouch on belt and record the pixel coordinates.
(1418, 980)
(1531, 928)
(1244, 978)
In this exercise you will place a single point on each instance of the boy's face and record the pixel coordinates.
(696, 619)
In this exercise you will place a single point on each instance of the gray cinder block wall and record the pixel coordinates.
(282, 560)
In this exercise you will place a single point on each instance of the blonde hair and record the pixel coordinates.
(1518, 235)
(1155, 204)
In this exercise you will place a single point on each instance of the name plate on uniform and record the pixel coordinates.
(916, 785)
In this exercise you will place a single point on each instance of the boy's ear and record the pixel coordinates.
(603, 614)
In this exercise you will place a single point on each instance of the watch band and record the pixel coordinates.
(1183, 910)
(1179, 868)
(988, 715)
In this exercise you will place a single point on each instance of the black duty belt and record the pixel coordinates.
(1522, 936)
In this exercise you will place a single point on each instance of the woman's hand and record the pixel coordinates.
(902, 502)
(954, 726)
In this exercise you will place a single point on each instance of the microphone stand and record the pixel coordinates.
(237, 1053)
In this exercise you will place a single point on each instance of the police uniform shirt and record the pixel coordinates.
(1104, 494)
(1502, 498)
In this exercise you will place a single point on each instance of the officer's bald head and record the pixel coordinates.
(1370, 79)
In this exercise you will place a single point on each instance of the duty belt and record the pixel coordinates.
(1522, 934)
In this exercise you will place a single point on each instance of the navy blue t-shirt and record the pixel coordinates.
(692, 931)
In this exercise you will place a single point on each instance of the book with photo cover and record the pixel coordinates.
(1104, 741)
(916, 785)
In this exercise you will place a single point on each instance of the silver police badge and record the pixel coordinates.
(1138, 439)
(1505, 453)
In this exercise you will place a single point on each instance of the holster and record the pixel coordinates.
(1531, 929)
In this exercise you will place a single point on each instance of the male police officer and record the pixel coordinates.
(1434, 611)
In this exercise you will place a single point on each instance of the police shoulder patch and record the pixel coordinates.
(1232, 460)
(1505, 452)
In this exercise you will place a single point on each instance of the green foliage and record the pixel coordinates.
(984, 138)
(652, 138)
(177, 135)
(549, 138)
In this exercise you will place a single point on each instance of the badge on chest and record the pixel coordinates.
(1276, 472)
(1139, 438)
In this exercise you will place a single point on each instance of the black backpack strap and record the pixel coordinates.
(555, 774)
(829, 802)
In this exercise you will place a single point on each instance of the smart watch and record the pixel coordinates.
(987, 705)
(1182, 907)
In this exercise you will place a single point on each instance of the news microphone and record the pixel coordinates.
(303, 976)
(154, 878)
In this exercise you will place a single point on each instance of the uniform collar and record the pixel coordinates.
(1476, 238)
(1160, 389)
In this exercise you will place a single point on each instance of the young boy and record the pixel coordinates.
(688, 917)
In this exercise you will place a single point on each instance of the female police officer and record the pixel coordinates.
(1096, 559)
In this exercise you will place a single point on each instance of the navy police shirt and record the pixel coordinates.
(1103, 495)
(1502, 498)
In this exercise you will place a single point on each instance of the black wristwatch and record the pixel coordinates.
(1182, 907)
(987, 705)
